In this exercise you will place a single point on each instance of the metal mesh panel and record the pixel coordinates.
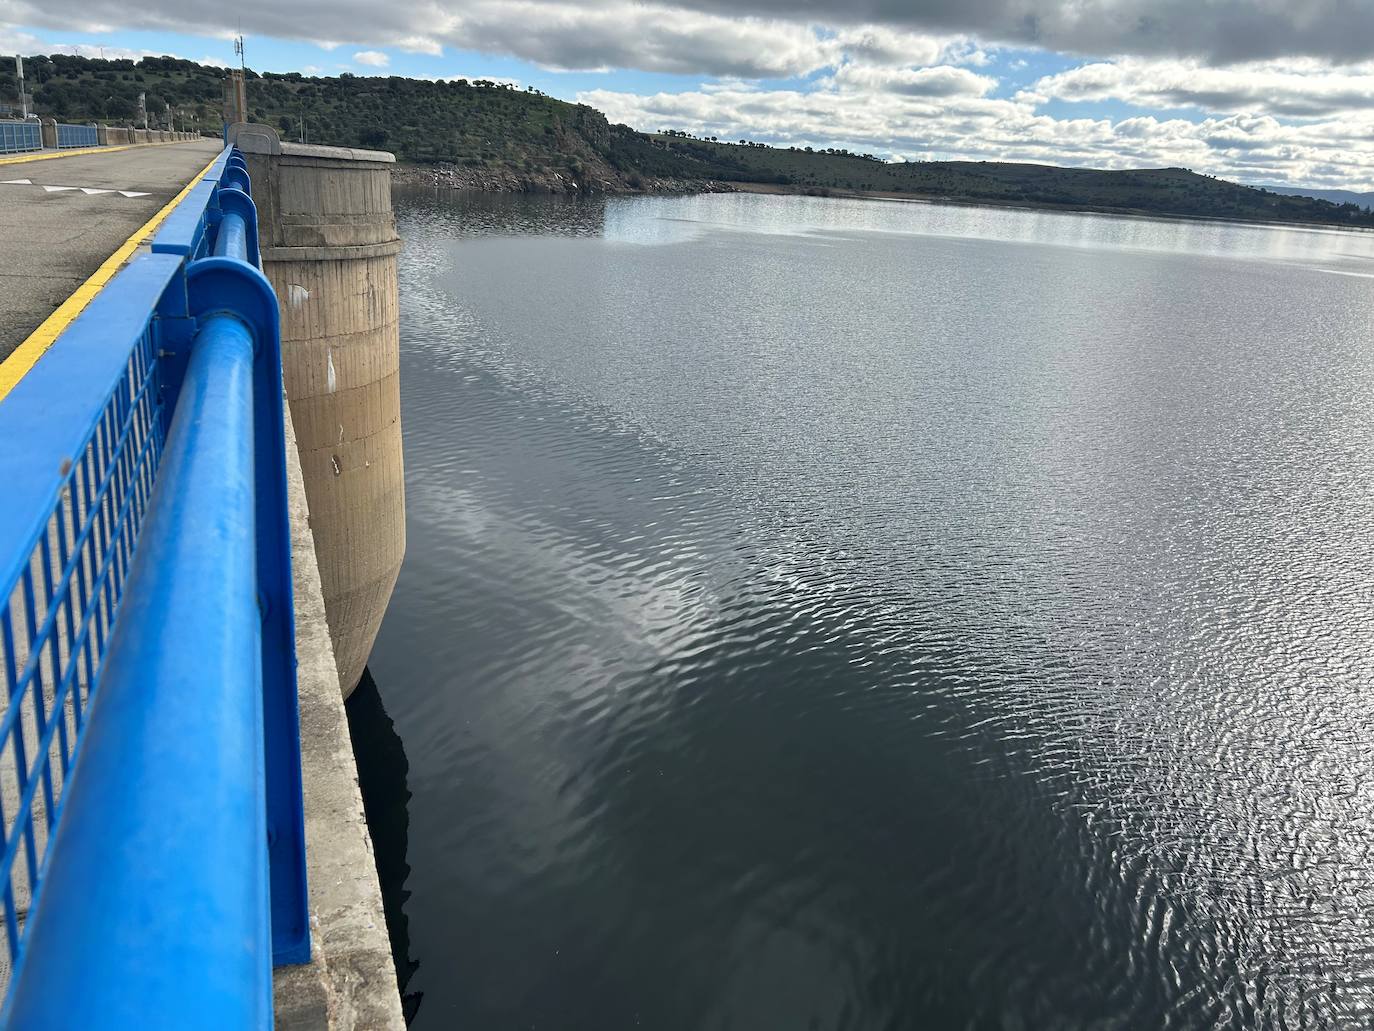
(17, 137)
(77, 136)
(56, 621)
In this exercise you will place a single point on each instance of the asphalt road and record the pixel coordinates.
(51, 240)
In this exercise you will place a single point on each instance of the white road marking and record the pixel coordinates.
(89, 191)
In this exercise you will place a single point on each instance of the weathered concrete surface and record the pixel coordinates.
(351, 981)
(53, 240)
(329, 247)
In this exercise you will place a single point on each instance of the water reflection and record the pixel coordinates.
(839, 628)
(455, 215)
(672, 219)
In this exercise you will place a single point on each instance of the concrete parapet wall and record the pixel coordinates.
(117, 136)
(329, 247)
(350, 982)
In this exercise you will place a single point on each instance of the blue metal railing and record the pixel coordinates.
(20, 137)
(76, 136)
(150, 792)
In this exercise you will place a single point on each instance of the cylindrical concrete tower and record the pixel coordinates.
(329, 247)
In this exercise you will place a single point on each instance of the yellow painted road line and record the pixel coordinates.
(26, 355)
(48, 155)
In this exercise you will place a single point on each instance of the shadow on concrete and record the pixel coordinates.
(382, 770)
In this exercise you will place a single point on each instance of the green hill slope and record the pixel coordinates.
(491, 135)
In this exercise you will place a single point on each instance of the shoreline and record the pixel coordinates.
(843, 193)
(608, 182)
(601, 179)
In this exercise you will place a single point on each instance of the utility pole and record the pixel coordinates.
(143, 109)
(23, 97)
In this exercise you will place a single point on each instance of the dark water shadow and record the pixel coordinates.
(382, 771)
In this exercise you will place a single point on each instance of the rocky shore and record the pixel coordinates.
(508, 180)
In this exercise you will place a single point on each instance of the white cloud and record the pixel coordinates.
(421, 45)
(875, 44)
(1336, 152)
(567, 36)
(620, 33)
(14, 42)
(1299, 88)
(557, 34)
(942, 81)
(17, 42)
(372, 58)
(966, 52)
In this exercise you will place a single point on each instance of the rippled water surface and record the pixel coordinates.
(829, 614)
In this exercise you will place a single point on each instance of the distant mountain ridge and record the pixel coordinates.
(1364, 200)
(488, 135)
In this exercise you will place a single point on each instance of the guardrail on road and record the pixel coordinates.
(76, 136)
(20, 137)
(153, 846)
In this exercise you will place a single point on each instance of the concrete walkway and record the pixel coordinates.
(71, 214)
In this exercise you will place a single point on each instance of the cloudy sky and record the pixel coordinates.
(1263, 91)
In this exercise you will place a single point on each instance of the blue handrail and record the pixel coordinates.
(150, 792)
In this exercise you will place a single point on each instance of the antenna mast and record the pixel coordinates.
(236, 89)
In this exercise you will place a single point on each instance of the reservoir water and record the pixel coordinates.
(829, 614)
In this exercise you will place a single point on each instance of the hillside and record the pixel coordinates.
(491, 136)
(1174, 191)
(494, 135)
